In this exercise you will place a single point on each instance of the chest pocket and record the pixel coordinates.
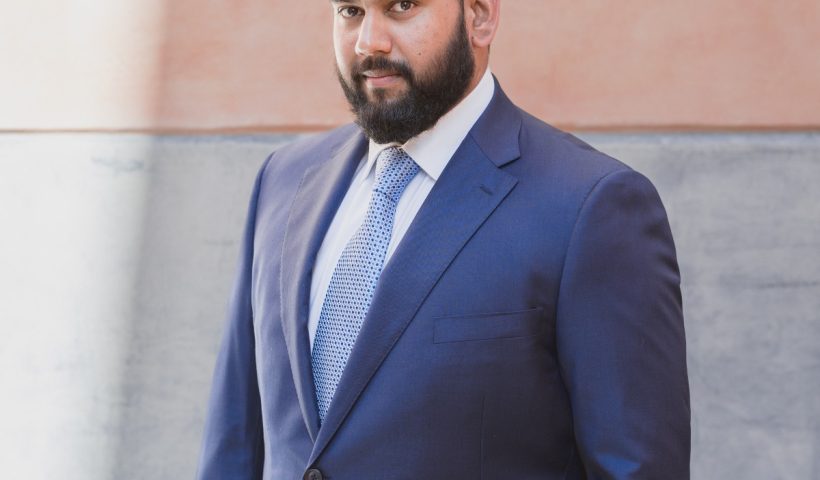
(488, 326)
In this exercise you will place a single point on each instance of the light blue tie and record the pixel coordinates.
(357, 272)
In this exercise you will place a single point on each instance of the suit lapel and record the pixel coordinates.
(321, 191)
(466, 193)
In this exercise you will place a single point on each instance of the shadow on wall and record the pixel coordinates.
(196, 197)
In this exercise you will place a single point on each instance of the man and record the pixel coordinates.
(449, 289)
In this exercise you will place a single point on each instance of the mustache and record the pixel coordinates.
(380, 63)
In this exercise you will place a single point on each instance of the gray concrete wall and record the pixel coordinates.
(117, 254)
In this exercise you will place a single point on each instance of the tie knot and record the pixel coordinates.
(394, 170)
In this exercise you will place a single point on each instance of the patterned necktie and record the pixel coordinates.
(357, 272)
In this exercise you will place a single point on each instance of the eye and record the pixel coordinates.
(402, 6)
(349, 12)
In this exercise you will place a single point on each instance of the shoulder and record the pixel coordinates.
(318, 142)
(563, 154)
(542, 149)
(293, 158)
(561, 170)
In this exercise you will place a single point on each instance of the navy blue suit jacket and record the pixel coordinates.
(528, 325)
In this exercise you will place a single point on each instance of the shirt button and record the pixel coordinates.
(313, 474)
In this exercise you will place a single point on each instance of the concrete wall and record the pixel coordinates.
(118, 252)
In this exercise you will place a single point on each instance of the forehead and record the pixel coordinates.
(362, 3)
(377, 3)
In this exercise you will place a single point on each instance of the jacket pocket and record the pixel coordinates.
(472, 327)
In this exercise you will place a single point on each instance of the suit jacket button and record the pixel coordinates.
(313, 474)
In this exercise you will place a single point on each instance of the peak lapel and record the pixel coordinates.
(468, 191)
(321, 191)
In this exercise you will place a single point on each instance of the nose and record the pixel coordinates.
(374, 37)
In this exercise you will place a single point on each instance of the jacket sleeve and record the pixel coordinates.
(233, 446)
(620, 335)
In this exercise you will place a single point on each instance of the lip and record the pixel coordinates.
(380, 79)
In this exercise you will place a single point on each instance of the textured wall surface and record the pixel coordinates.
(118, 252)
(268, 64)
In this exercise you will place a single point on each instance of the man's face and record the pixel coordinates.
(401, 64)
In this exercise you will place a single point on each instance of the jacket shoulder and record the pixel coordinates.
(317, 142)
(293, 158)
(559, 169)
(564, 154)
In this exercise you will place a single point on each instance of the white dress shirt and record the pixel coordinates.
(431, 150)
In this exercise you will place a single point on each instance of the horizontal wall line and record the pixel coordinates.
(277, 129)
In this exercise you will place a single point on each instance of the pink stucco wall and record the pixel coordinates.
(262, 65)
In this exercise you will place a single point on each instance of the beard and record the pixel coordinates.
(429, 95)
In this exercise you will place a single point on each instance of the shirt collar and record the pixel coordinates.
(433, 148)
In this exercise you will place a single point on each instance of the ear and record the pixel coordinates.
(482, 18)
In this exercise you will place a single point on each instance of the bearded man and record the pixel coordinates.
(449, 288)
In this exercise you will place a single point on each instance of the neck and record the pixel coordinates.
(481, 57)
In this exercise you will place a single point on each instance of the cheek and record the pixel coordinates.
(343, 57)
(422, 39)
